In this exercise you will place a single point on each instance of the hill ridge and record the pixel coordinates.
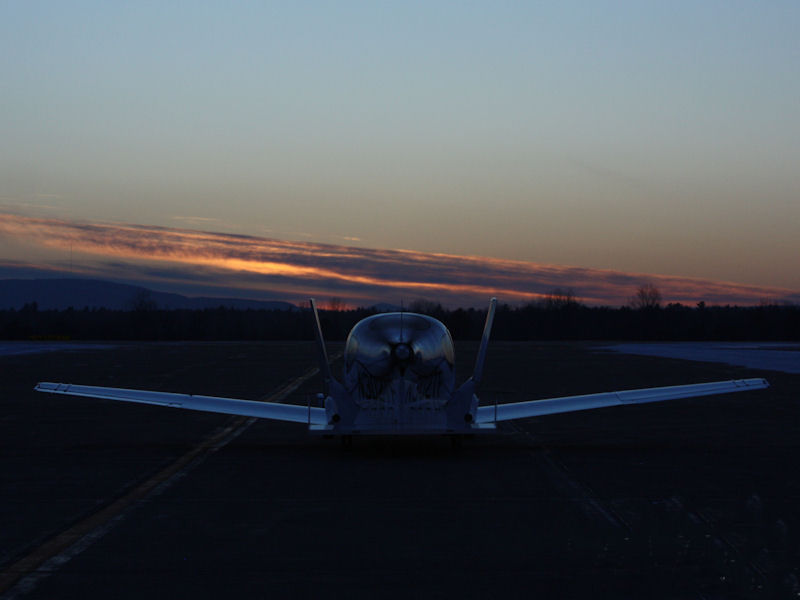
(59, 294)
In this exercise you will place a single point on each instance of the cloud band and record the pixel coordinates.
(258, 266)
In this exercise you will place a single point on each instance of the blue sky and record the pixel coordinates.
(655, 138)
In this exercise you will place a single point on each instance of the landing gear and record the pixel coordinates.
(347, 442)
(456, 440)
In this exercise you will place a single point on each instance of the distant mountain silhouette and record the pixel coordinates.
(82, 293)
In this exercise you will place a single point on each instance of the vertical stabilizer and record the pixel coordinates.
(487, 330)
(339, 407)
(463, 406)
(322, 353)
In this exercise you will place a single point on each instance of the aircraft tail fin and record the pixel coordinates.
(477, 374)
(463, 406)
(322, 353)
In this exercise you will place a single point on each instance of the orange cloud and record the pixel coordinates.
(357, 275)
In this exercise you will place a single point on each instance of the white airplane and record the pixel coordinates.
(399, 378)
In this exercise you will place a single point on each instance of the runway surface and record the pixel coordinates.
(775, 356)
(687, 499)
(8, 348)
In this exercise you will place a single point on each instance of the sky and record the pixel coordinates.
(505, 141)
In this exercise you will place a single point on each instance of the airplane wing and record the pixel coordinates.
(537, 408)
(310, 415)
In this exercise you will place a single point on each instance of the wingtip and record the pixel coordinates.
(758, 383)
(49, 386)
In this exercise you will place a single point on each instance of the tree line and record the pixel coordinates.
(557, 317)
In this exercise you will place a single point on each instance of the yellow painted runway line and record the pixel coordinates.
(92, 528)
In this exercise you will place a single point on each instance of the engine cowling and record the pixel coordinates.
(395, 360)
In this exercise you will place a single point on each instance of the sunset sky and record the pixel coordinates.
(377, 151)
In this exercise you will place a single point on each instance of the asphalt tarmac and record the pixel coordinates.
(695, 498)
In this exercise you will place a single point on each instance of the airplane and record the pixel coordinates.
(399, 378)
